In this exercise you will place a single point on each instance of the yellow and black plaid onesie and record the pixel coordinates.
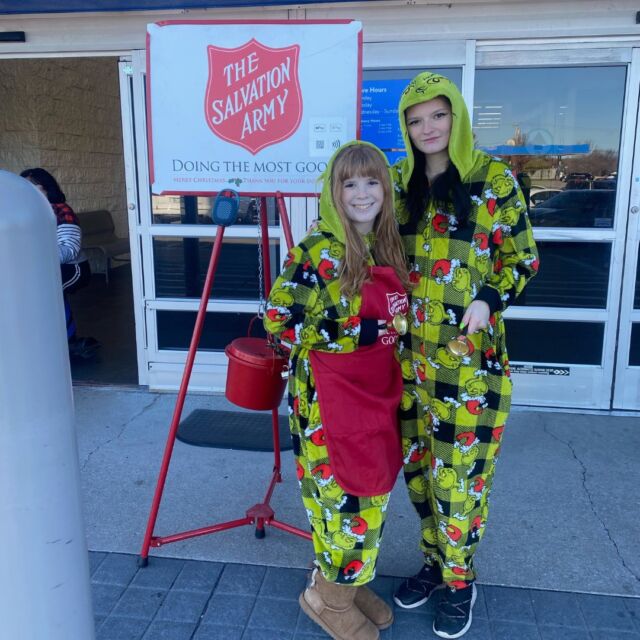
(454, 409)
(307, 310)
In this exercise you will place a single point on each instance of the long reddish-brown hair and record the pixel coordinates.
(363, 161)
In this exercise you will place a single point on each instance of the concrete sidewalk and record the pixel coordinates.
(197, 600)
(563, 517)
(563, 514)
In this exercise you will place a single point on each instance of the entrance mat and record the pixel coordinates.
(233, 430)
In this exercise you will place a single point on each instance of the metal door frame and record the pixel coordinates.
(129, 124)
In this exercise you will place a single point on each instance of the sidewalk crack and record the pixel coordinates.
(121, 431)
(590, 499)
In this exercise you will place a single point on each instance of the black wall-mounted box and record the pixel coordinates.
(12, 36)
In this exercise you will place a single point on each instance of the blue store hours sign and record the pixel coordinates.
(379, 115)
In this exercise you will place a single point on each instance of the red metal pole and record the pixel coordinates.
(171, 438)
(286, 228)
(275, 425)
(266, 278)
(284, 219)
(158, 541)
(266, 257)
(290, 529)
(266, 272)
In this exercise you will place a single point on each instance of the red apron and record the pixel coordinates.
(359, 394)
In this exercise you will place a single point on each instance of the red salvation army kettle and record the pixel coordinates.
(257, 373)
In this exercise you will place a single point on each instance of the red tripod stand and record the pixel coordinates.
(260, 514)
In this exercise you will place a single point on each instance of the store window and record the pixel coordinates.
(636, 297)
(565, 342)
(634, 350)
(572, 274)
(180, 267)
(181, 262)
(559, 128)
(175, 329)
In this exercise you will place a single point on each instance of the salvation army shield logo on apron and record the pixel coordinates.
(253, 94)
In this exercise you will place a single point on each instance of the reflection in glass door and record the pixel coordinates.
(564, 146)
(563, 130)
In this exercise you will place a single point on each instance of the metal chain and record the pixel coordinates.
(262, 302)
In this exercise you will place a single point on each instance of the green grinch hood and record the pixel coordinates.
(427, 86)
(329, 216)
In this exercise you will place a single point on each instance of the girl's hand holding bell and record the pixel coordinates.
(476, 317)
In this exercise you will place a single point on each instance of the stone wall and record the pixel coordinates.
(63, 114)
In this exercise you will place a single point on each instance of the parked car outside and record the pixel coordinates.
(576, 208)
(604, 183)
(579, 181)
(539, 195)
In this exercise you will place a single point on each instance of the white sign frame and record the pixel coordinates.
(223, 98)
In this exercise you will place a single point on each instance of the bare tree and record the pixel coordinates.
(600, 162)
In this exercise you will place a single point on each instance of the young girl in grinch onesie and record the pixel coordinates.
(470, 248)
(335, 303)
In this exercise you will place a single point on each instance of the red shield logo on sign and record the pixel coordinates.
(253, 94)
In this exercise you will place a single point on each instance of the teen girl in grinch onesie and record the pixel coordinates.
(470, 248)
(339, 289)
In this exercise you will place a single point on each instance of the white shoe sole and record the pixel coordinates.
(420, 602)
(442, 634)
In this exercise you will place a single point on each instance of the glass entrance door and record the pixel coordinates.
(627, 379)
(567, 129)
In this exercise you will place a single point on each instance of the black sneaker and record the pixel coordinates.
(453, 617)
(416, 590)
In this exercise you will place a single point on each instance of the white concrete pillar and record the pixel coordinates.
(44, 568)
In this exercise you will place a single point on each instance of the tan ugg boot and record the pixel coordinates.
(332, 607)
(374, 607)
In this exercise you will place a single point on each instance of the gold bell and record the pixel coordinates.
(400, 324)
(458, 346)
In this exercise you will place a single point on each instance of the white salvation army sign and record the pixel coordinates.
(256, 106)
